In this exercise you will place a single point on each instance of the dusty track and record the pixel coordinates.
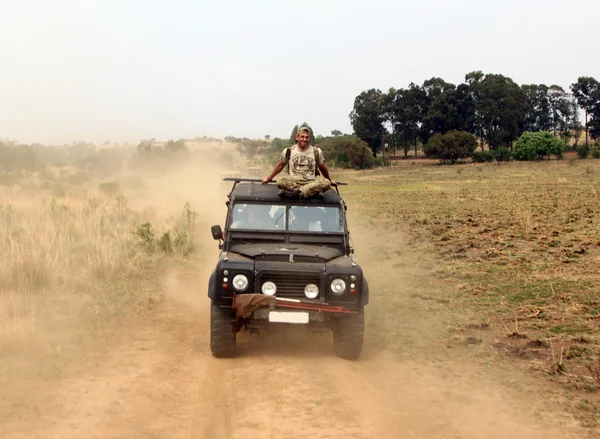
(160, 381)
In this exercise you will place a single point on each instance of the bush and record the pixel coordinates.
(583, 151)
(451, 146)
(483, 156)
(109, 187)
(595, 150)
(503, 154)
(348, 152)
(537, 146)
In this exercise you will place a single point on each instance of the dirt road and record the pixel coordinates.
(160, 381)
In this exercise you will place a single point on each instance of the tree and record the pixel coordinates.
(501, 104)
(367, 118)
(451, 146)
(405, 109)
(473, 81)
(347, 152)
(564, 114)
(537, 110)
(441, 114)
(536, 146)
(176, 147)
(587, 93)
(465, 109)
(336, 133)
(295, 133)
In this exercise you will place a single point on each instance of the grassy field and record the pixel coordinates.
(79, 262)
(516, 247)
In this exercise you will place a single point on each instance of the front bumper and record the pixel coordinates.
(315, 309)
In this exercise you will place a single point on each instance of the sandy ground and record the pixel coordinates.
(160, 381)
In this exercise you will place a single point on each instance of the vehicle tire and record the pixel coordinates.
(348, 335)
(222, 332)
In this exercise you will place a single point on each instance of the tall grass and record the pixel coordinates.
(69, 256)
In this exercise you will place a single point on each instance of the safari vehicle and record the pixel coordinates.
(285, 262)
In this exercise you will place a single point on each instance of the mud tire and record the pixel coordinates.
(222, 333)
(348, 335)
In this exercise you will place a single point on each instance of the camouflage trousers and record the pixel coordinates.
(308, 188)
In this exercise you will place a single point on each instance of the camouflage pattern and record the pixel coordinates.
(308, 188)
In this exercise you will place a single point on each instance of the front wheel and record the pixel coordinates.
(222, 332)
(348, 335)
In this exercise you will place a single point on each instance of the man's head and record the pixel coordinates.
(303, 137)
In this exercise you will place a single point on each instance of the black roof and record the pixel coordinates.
(249, 191)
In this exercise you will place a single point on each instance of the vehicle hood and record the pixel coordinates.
(283, 251)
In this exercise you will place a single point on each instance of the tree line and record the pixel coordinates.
(491, 107)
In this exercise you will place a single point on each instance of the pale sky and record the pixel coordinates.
(127, 70)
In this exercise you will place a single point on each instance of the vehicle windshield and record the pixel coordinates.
(281, 218)
(314, 219)
(258, 217)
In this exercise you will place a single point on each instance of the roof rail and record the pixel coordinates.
(257, 180)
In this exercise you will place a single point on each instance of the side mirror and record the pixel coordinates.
(217, 232)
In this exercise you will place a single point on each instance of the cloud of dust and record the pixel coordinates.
(199, 183)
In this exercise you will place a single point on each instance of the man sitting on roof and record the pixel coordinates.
(303, 163)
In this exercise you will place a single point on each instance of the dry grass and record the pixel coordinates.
(73, 273)
(517, 245)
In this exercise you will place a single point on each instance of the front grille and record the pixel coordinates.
(290, 284)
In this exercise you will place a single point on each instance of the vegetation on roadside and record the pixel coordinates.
(77, 265)
(518, 248)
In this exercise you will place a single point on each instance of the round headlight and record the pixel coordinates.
(311, 291)
(338, 287)
(269, 289)
(240, 282)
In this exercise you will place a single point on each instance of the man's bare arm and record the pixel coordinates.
(276, 170)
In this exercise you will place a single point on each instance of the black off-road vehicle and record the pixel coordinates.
(285, 261)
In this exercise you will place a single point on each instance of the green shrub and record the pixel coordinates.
(503, 154)
(595, 151)
(537, 146)
(348, 152)
(451, 146)
(583, 151)
(483, 156)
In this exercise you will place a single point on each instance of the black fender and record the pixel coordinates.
(212, 286)
(364, 298)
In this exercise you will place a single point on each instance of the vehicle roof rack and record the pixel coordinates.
(256, 180)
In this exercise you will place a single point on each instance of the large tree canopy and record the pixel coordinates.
(492, 107)
(367, 118)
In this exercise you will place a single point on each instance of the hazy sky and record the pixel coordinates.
(126, 70)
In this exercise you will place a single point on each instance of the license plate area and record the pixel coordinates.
(297, 317)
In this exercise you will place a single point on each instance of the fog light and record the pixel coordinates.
(269, 289)
(311, 291)
(225, 280)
